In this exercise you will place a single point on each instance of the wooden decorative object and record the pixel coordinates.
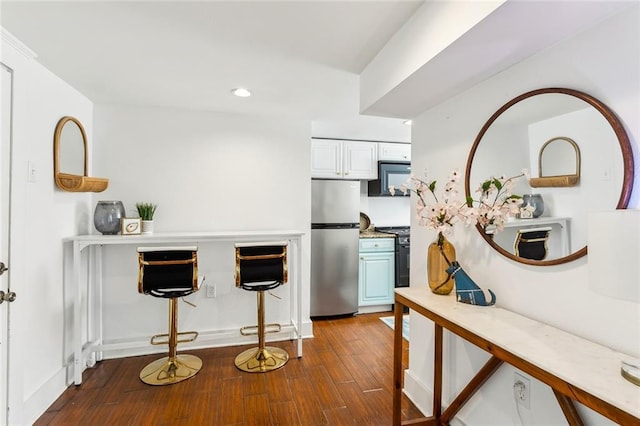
(559, 180)
(68, 181)
(627, 166)
(554, 181)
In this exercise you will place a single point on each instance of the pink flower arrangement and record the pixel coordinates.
(496, 203)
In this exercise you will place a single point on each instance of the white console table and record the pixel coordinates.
(575, 368)
(83, 351)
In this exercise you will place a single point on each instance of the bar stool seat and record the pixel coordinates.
(169, 273)
(261, 267)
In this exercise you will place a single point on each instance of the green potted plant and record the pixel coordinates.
(146, 212)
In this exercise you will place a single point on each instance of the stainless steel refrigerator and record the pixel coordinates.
(335, 228)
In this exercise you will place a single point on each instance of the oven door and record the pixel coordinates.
(402, 265)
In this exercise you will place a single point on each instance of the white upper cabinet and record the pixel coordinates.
(326, 159)
(335, 159)
(360, 160)
(394, 151)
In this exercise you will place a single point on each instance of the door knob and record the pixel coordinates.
(8, 296)
(3, 268)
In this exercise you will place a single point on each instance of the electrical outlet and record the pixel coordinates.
(522, 390)
(211, 290)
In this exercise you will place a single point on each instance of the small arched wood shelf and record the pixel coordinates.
(546, 181)
(554, 181)
(77, 183)
(72, 182)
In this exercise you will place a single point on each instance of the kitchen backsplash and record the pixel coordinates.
(385, 211)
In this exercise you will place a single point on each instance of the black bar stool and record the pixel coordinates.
(169, 273)
(261, 267)
(532, 243)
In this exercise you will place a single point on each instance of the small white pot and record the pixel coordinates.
(147, 227)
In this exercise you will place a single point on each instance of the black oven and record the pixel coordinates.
(402, 253)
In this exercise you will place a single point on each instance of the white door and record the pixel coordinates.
(5, 175)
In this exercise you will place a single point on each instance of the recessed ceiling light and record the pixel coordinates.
(241, 92)
(407, 122)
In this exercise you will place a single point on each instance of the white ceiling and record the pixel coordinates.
(514, 31)
(298, 57)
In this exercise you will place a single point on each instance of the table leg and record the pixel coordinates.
(568, 409)
(437, 372)
(397, 364)
(99, 300)
(298, 282)
(77, 313)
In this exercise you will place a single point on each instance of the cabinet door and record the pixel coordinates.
(394, 151)
(326, 159)
(360, 160)
(376, 275)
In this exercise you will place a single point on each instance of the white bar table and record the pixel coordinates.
(82, 351)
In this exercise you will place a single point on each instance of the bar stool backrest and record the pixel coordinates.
(261, 266)
(532, 243)
(167, 272)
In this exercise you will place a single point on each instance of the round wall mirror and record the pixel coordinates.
(512, 139)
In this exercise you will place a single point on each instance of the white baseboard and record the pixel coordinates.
(36, 404)
(376, 308)
(121, 348)
(418, 392)
(422, 397)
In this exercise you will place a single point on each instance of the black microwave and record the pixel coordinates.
(394, 173)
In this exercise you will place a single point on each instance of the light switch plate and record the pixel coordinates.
(32, 172)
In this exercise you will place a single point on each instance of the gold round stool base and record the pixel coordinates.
(256, 360)
(165, 371)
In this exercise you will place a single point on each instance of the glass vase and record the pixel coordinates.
(107, 215)
(440, 254)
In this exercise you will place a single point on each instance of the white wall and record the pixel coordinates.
(41, 215)
(602, 62)
(206, 172)
(385, 211)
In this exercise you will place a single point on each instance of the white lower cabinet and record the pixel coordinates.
(376, 271)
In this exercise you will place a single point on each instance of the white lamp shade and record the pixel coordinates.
(614, 253)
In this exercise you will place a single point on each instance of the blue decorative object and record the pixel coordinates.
(468, 291)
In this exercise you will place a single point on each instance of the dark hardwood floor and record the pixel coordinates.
(344, 378)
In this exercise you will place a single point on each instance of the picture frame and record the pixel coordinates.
(130, 226)
(526, 214)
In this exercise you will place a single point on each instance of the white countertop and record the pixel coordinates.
(183, 237)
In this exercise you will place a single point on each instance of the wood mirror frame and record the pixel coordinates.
(69, 181)
(627, 166)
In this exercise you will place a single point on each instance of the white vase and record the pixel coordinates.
(147, 227)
